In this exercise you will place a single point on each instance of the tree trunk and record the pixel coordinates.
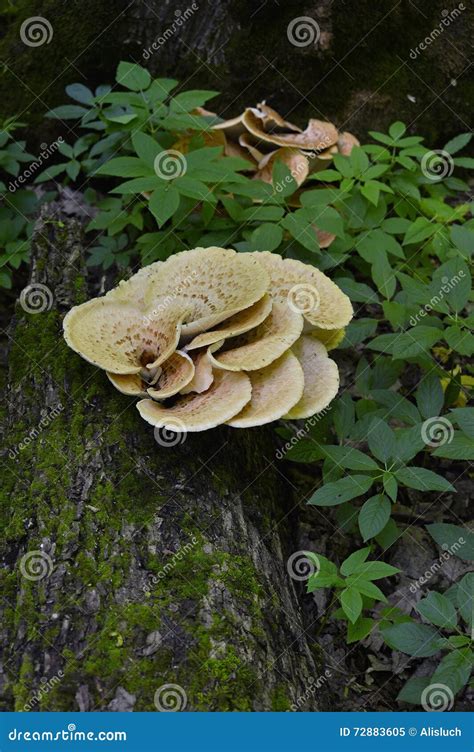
(128, 563)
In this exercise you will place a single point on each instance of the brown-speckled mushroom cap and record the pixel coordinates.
(318, 135)
(210, 285)
(227, 395)
(176, 372)
(275, 390)
(238, 324)
(321, 378)
(119, 337)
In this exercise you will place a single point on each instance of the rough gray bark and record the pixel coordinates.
(151, 564)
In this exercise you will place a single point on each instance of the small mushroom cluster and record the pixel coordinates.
(261, 136)
(213, 336)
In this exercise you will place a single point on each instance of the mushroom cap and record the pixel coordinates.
(238, 324)
(275, 390)
(265, 343)
(119, 337)
(209, 284)
(227, 395)
(248, 142)
(177, 371)
(271, 117)
(308, 290)
(330, 338)
(203, 373)
(232, 128)
(296, 162)
(130, 384)
(321, 378)
(134, 289)
(318, 135)
(346, 142)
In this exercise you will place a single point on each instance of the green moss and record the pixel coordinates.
(280, 700)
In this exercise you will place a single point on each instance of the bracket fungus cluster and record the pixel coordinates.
(212, 336)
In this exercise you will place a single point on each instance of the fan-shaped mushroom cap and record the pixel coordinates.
(346, 142)
(134, 289)
(247, 141)
(130, 384)
(321, 378)
(210, 285)
(232, 128)
(317, 136)
(120, 338)
(203, 374)
(265, 343)
(330, 338)
(177, 371)
(226, 397)
(275, 389)
(306, 289)
(271, 117)
(296, 162)
(238, 324)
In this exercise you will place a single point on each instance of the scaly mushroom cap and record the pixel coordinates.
(237, 324)
(176, 372)
(330, 338)
(321, 378)
(306, 289)
(275, 389)
(134, 289)
(296, 162)
(318, 136)
(119, 337)
(131, 384)
(209, 284)
(346, 142)
(226, 397)
(264, 344)
(203, 373)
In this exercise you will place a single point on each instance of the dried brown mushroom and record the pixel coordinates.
(212, 336)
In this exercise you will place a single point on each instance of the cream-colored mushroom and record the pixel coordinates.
(241, 322)
(321, 378)
(261, 346)
(227, 395)
(275, 390)
(177, 372)
(317, 137)
(203, 373)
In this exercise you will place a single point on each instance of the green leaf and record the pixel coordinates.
(267, 237)
(351, 602)
(412, 691)
(163, 203)
(186, 101)
(193, 189)
(422, 479)
(465, 598)
(146, 147)
(282, 179)
(457, 143)
(124, 167)
(438, 610)
(460, 340)
(344, 416)
(374, 515)
(454, 670)
(383, 275)
(455, 539)
(360, 629)
(349, 457)
(301, 230)
(460, 447)
(80, 93)
(419, 230)
(418, 640)
(390, 485)
(354, 560)
(133, 76)
(464, 417)
(341, 490)
(430, 396)
(462, 238)
(417, 341)
(67, 112)
(397, 130)
(375, 570)
(366, 588)
(371, 191)
(382, 440)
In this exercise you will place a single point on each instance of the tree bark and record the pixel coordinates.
(127, 564)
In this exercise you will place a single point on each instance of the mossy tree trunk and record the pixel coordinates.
(129, 565)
